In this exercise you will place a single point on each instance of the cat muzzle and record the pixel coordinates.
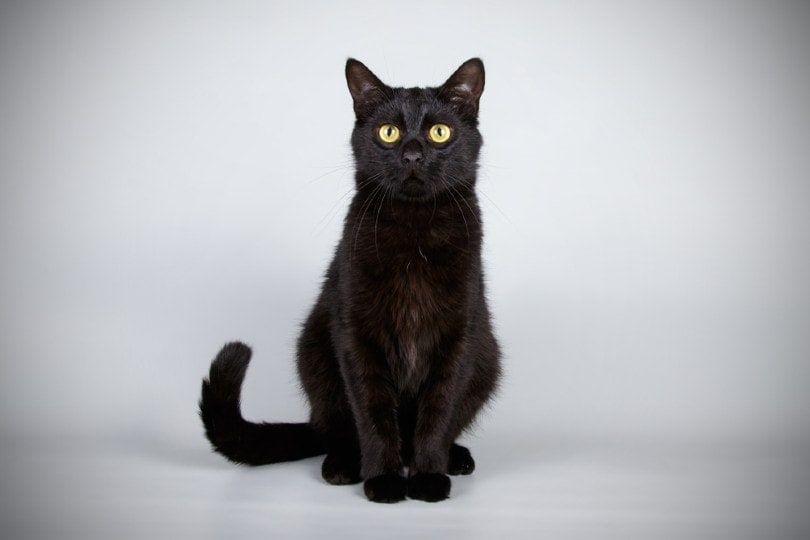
(413, 187)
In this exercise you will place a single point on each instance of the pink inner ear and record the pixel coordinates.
(368, 87)
(464, 87)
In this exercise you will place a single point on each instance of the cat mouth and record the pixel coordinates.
(413, 187)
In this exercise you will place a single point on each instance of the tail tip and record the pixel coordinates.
(229, 367)
(234, 352)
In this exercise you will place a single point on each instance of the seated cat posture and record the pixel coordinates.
(397, 355)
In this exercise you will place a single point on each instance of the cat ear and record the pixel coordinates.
(464, 87)
(367, 91)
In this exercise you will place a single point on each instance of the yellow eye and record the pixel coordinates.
(388, 133)
(439, 133)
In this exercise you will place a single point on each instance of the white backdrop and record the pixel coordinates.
(175, 175)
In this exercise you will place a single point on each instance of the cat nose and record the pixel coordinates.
(412, 153)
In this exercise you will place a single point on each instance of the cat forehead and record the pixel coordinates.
(413, 105)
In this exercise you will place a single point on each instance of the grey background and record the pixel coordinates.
(174, 176)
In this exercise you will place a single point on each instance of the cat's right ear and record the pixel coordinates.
(367, 91)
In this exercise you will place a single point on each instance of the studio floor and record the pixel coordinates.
(526, 486)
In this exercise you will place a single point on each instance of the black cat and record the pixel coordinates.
(397, 356)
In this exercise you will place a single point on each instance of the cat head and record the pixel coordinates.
(416, 142)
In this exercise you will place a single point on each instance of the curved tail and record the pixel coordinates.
(236, 438)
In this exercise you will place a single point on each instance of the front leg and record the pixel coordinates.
(374, 405)
(436, 428)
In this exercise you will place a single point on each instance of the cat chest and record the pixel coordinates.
(415, 301)
(415, 310)
(419, 304)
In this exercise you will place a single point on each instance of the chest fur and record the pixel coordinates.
(423, 303)
(411, 299)
(411, 275)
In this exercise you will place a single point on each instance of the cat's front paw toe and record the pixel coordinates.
(430, 487)
(386, 488)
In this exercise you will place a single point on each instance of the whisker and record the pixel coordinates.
(346, 165)
(472, 211)
(501, 212)
(332, 212)
(364, 208)
(469, 185)
(435, 203)
(385, 194)
(461, 210)
(489, 199)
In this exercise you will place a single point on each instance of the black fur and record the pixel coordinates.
(397, 356)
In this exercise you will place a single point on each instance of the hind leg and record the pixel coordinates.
(341, 466)
(330, 414)
(479, 390)
(461, 461)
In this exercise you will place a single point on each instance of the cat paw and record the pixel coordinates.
(461, 461)
(430, 487)
(341, 470)
(386, 488)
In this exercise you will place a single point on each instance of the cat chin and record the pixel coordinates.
(413, 189)
(414, 199)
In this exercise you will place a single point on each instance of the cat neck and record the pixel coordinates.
(373, 202)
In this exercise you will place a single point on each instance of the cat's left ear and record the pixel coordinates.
(464, 87)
